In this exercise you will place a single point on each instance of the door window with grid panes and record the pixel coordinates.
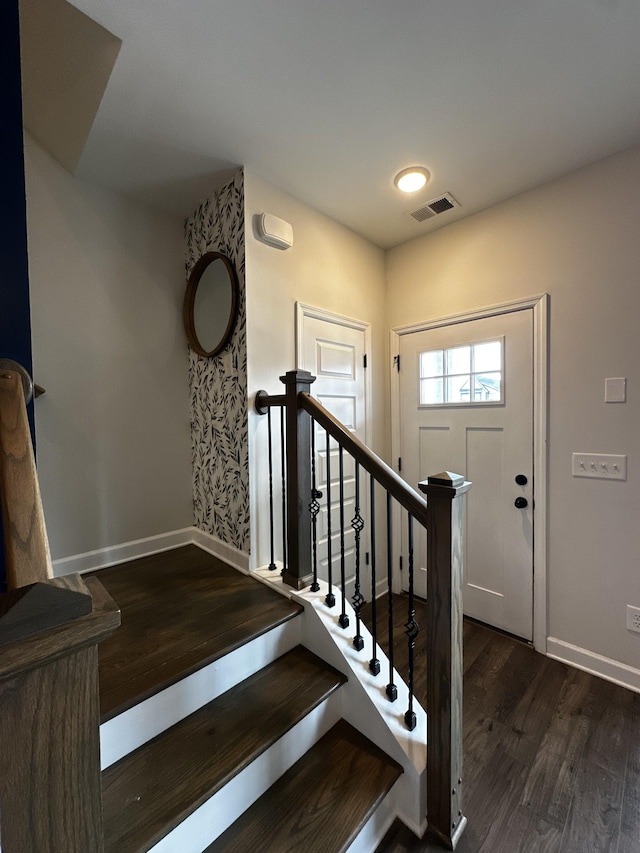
(467, 375)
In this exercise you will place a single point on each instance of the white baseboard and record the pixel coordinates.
(610, 670)
(231, 555)
(114, 554)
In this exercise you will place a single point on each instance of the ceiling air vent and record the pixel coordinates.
(434, 207)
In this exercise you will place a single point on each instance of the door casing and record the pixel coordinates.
(540, 307)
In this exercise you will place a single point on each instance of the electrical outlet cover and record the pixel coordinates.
(633, 618)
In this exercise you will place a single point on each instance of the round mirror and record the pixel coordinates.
(211, 304)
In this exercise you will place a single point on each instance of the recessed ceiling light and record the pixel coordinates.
(412, 179)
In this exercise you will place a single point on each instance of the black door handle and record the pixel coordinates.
(521, 503)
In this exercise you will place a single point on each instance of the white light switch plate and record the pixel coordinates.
(603, 466)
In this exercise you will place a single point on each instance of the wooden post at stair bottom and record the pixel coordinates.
(298, 573)
(50, 786)
(444, 655)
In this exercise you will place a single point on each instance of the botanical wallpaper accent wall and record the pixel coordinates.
(218, 385)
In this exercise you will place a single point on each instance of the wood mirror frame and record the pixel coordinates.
(223, 331)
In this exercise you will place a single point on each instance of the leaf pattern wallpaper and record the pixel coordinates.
(218, 385)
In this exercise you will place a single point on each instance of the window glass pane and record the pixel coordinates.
(459, 360)
(487, 387)
(431, 392)
(487, 356)
(458, 389)
(431, 363)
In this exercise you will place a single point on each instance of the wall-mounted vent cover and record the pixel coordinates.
(434, 207)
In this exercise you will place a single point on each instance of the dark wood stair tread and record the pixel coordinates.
(320, 804)
(181, 610)
(150, 791)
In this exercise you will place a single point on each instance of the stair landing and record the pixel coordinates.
(181, 610)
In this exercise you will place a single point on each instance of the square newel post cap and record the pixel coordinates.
(297, 377)
(445, 479)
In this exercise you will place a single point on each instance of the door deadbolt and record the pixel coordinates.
(521, 479)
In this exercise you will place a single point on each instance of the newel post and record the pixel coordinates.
(445, 505)
(298, 573)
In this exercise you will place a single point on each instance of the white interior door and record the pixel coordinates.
(333, 348)
(466, 405)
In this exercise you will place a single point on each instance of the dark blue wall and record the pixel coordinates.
(15, 322)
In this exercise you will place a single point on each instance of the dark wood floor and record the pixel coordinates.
(552, 754)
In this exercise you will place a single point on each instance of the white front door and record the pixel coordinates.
(333, 349)
(466, 406)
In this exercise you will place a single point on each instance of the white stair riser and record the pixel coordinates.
(202, 827)
(132, 728)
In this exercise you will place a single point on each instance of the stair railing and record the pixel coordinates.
(26, 547)
(50, 783)
(441, 515)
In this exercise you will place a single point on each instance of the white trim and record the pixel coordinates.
(303, 311)
(396, 424)
(125, 551)
(539, 304)
(477, 314)
(114, 554)
(231, 555)
(540, 468)
(610, 670)
(377, 826)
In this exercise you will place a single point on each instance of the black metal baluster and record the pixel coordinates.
(358, 524)
(314, 509)
(343, 621)
(330, 598)
(374, 663)
(391, 689)
(283, 453)
(272, 564)
(412, 629)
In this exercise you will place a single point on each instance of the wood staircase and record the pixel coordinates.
(266, 763)
(211, 726)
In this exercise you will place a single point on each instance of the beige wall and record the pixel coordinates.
(107, 281)
(328, 267)
(577, 239)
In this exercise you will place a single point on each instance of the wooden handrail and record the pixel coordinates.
(27, 556)
(386, 476)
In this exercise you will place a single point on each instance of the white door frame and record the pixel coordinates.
(303, 311)
(540, 306)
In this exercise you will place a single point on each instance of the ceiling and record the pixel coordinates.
(328, 99)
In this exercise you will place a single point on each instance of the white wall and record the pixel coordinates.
(107, 281)
(328, 267)
(577, 239)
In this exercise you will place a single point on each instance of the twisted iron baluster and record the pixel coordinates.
(357, 600)
(391, 689)
(283, 453)
(314, 509)
(272, 564)
(412, 630)
(330, 598)
(343, 621)
(374, 663)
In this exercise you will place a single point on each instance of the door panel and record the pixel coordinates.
(489, 443)
(333, 350)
